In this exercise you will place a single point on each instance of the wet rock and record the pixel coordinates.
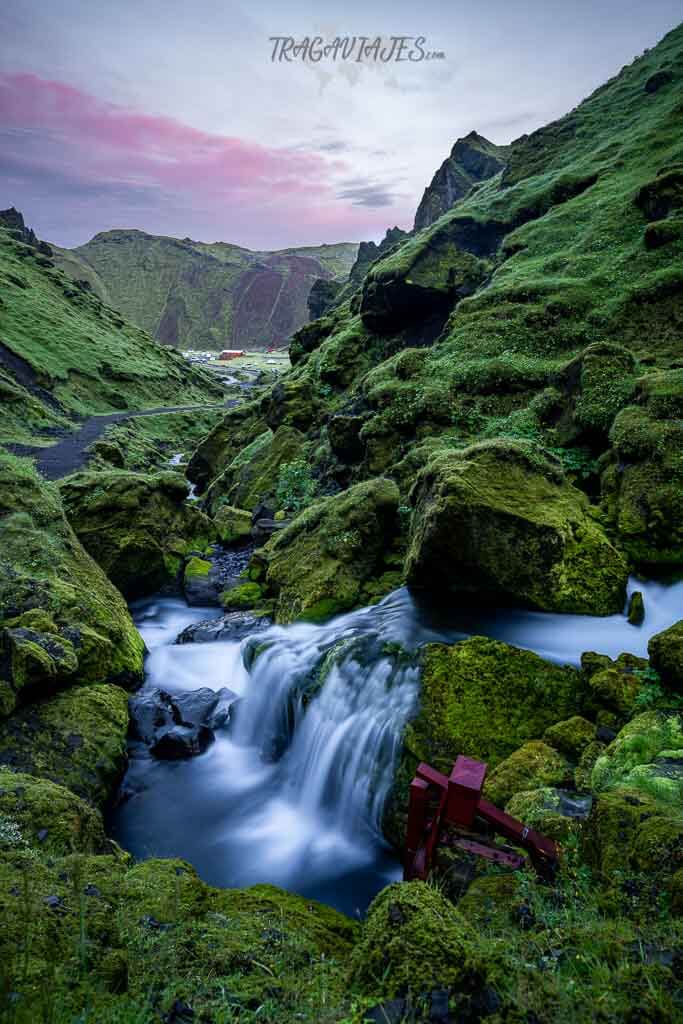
(181, 725)
(232, 626)
(198, 585)
(182, 741)
(636, 608)
(666, 654)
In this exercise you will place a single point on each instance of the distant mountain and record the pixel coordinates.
(205, 295)
(65, 353)
(472, 159)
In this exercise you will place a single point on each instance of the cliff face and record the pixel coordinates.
(205, 296)
(472, 159)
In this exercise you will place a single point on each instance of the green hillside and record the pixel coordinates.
(64, 353)
(205, 295)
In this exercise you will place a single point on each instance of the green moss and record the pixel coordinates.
(533, 766)
(252, 477)
(34, 663)
(497, 520)
(50, 587)
(232, 524)
(571, 737)
(127, 943)
(137, 527)
(51, 818)
(645, 739)
(321, 561)
(246, 595)
(636, 608)
(197, 568)
(631, 830)
(666, 655)
(614, 685)
(413, 940)
(76, 739)
(542, 809)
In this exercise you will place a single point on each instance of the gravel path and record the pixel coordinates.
(69, 454)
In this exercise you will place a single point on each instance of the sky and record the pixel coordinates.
(173, 117)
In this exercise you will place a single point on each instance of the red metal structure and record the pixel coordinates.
(450, 811)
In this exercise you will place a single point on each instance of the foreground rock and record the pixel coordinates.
(496, 521)
(666, 654)
(327, 559)
(76, 740)
(138, 528)
(61, 620)
(50, 817)
(180, 725)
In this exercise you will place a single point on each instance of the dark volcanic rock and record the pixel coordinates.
(180, 725)
(232, 626)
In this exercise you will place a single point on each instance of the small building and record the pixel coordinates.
(231, 353)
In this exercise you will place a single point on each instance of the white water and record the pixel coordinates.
(292, 791)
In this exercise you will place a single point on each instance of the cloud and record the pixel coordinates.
(368, 195)
(61, 143)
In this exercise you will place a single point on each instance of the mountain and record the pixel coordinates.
(65, 353)
(201, 295)
(472, 159)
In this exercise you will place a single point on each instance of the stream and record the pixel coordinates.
(291, 791)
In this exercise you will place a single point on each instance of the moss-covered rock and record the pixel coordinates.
(642, 486)
(76, 739)
(55, 600)
(630, 830)
(245, 595)
(636, 608)
(321, 563)
(413, 940)
(238, 428)
(252, 476)
(51, 818)
(571, 737)
(233, 524)
(32, 663)
(666, 654)
(647, 754)
(138, 528)
(157, 938)
(533, 766)
(554, 812)
(614, 684)
(482, 698)
(497, 520)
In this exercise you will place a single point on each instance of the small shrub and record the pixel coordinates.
(296, 487)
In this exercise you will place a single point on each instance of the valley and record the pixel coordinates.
(243, 600)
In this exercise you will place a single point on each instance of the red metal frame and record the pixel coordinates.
(450, 810)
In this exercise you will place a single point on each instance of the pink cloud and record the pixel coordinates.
(63, 133)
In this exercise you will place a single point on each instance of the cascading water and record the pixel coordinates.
(292, 790)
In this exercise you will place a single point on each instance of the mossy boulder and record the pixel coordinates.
(50, 817)
(76, 739)
(666, 655)
(571, 737)
(642, 485)
(252, 476)
(223, 443)
(157, 939)
(55, 600)
(413, 940)
(534, 765)
(138, 527)
(498, 521)
(482, 698)
(322, 562)
(32, 663)
(245, 595)
(233, 524)
(631, 830)
(552, 811)
(595, 386)
(613, 684)
(648, 754)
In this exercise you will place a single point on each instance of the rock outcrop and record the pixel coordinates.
(472, 159)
